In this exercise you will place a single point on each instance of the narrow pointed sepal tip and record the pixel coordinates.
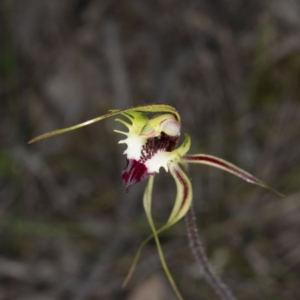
(275, 191)
(134, 172)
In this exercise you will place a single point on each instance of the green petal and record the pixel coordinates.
(147, 206)
(226, 166)
(184, 194)
(150, 108)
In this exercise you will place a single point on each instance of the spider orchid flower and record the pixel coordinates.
(152, 144)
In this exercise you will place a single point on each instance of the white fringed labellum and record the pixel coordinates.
(150, 144)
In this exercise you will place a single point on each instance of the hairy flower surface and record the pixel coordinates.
(152, 144)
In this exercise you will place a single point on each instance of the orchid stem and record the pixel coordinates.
(199, 254)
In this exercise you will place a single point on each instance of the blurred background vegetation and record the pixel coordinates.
(68, 230)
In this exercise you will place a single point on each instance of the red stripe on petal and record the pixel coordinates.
(229, 167)
(185, 188)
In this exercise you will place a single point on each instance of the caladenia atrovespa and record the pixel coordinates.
(153, 143)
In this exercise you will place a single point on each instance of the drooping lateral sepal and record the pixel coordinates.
(147, 201)
(182, 203)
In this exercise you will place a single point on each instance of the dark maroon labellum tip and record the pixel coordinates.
(133, 173)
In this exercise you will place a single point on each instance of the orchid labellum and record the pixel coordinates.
(152, 144)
